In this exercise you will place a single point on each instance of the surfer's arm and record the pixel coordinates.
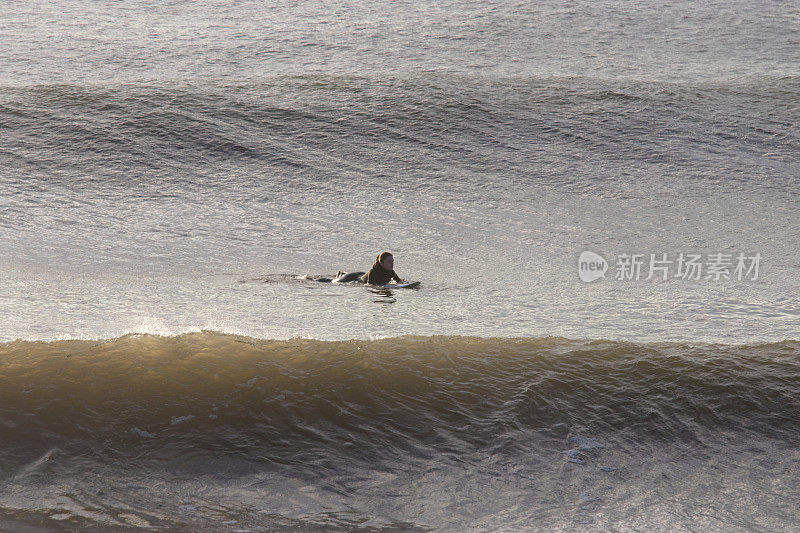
(396, 277)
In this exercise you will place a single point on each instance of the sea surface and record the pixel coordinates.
(175, 176)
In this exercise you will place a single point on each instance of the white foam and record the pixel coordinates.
(574, 456)
(586, 444)
(142, 433)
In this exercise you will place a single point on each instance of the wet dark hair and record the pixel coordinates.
(384, 255)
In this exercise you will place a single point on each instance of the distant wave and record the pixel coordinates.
(293, 125)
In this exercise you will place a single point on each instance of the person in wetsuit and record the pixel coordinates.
(381, 273)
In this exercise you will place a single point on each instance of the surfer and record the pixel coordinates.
(381, 273)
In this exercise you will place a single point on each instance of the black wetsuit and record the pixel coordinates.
(378, 275)
(349, 276)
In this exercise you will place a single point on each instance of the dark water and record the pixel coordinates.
(413, 433)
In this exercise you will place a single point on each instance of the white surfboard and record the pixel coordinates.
(403, 285)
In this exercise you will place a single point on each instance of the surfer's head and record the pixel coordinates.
(386, 260)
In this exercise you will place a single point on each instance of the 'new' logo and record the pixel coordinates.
(591, 266)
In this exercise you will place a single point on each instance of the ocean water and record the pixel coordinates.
(215, 432)
(175, 175)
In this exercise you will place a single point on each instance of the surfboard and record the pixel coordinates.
(348, 279)
(404, 285)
